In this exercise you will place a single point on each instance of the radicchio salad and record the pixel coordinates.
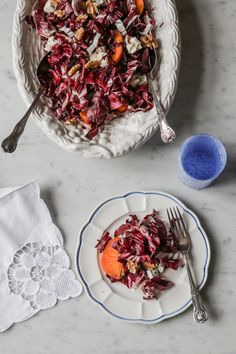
(139, 253)
(99, 54)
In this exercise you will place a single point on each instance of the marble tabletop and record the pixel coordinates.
(72, 187)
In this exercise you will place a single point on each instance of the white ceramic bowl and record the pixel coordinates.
(120, 135)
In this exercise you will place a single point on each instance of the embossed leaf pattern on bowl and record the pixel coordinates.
(120, 135)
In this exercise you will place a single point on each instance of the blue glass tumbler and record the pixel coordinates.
(202, 158)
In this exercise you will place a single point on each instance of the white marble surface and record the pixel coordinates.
(72, 187)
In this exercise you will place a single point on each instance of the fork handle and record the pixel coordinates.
(200, 314)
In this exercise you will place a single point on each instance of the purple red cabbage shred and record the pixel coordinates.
(146, 245)
(100, 91)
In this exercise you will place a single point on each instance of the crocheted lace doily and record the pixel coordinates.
(40, 274)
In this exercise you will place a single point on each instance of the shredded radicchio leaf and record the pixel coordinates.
(144, 247)
(151, 287)
(74, 35)
(103, 241)
(133, 280)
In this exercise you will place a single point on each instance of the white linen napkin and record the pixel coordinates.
(34, 267)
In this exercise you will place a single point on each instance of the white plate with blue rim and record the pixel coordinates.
(115, 298)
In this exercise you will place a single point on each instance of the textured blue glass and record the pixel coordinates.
(202, 158)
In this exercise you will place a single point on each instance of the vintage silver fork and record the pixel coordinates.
(179, 229)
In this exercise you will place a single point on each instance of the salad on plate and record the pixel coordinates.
(99, 55)
(139, 253)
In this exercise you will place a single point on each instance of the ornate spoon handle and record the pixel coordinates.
(10, 143)
(200, 314)
(167, 133)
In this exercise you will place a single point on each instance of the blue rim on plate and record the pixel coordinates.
(206, 264)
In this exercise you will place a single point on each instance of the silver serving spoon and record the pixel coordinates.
(10, 143)
(167, 133)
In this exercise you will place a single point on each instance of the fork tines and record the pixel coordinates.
(177, 224)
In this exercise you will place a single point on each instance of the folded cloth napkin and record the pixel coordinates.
(34, 268)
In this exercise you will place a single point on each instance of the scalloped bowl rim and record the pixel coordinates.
(138, 130)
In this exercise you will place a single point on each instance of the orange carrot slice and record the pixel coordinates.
(123, 108)
(83, 116)
(118, 39)
(109, 261)
(139, 6)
